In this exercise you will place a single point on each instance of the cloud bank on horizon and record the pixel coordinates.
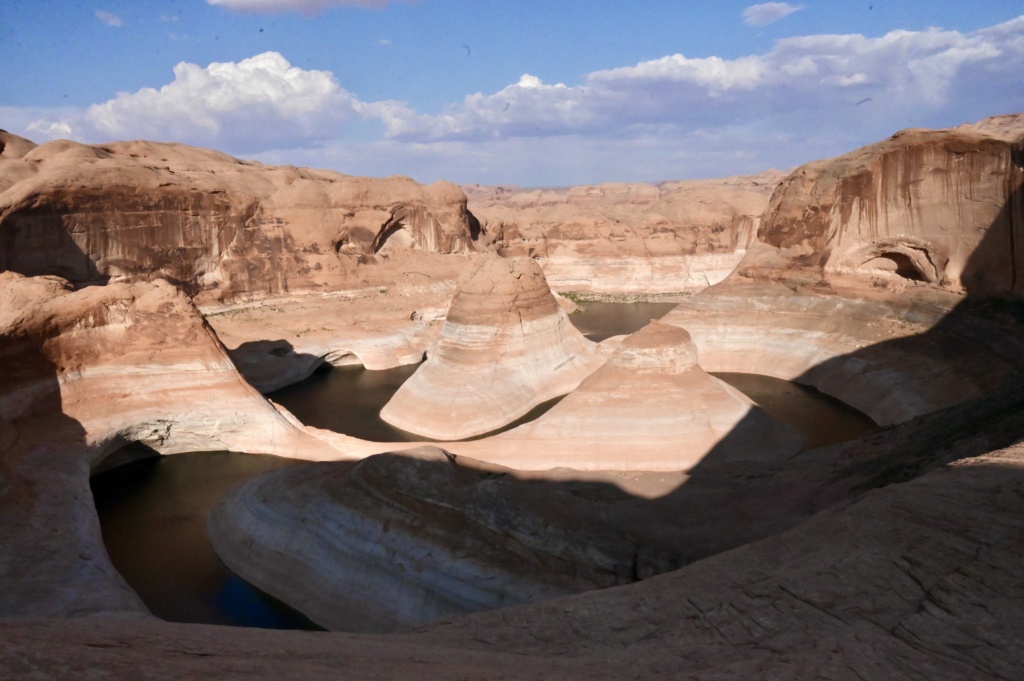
(675, 116)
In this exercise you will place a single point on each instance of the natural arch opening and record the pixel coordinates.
(395, 238)
(896, 263)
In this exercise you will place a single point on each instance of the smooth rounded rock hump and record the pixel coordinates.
(506, 346)
(650, 407)
(406, 539)
(656, 349)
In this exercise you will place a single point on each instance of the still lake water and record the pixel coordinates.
(153, 511)
(153, 515)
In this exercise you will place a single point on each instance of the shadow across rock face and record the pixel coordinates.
(402, 540)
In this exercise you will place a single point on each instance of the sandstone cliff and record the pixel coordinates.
(131, 362)
(617, 238)
(874, 273)
(85, 372)
(208, 222)
(938, 206)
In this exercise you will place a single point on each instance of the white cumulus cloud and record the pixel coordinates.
(808, 80)
(109, 18)
(307, 7)
(676, 116)
(768, 13)
(256, 103)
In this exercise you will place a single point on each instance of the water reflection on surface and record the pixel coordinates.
(153, 515)
(348, 400)
(598, 321)
(821, 419)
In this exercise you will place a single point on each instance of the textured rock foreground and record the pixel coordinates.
(506, 346)
(453, 536)
(888, 587)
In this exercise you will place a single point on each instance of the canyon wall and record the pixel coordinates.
(938, 206)
(211, 223)
(881, 276)
(131, 362)
(627, 238)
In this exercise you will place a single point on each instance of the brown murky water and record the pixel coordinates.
(153, 515)
(153, 511)
(598, 321)
(823, 420)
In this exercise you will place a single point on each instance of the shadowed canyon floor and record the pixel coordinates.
(887, 277)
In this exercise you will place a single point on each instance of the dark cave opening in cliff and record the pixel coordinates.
(896, 263)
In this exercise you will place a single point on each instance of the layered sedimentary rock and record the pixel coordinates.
(209, 222)
(916, 576)
(938, 206)
(506, 346)
(891, 357)
(85, 372)
(275, 342)
(884, 588)
(856, 283)
(131, 362)
(650, 407)
(402, 540)
(911, 580)
(627, 238)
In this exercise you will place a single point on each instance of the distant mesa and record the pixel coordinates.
(627, 237)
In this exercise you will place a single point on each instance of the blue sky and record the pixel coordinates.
(529, 93)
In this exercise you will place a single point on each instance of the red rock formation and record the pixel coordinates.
(938, 206)
(615, 238)
(856, 285)
(131, 362)
(506, 346)
(403, 540)
(81, 374)
(207, 221)
(650, 407)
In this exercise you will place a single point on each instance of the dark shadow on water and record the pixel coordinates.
(153, 516)
(821, 419)
(348, 400)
